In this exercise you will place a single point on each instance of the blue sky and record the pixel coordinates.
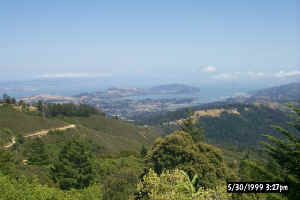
(199, 42)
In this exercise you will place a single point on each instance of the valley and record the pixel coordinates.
(126, 103)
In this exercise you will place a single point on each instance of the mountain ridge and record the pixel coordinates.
(238, 124)
(282, 93)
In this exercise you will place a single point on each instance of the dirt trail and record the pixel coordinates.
(40, 133)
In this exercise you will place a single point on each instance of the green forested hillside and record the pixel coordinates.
(244, 129)
(106, 159)
(113, 146)
(242, 125)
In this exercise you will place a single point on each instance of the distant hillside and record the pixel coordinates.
(111, 134)
(113, 93)
(241, 125)
(173, 89)
(127, 92)
(283, 93)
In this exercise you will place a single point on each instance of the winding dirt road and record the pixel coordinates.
(40, 133)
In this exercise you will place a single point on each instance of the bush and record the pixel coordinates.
(22, 189)
(176, 185)
(178, 150)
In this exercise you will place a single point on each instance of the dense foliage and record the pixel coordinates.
(178, 150)
(287, 154)
(176, 185)
(23, 189)
(7, 162)
(38, 154)
(73, 169)
(67, 109)
(243, 130)
(119, 176)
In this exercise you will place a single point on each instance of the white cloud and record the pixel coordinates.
(283, 74)
(256, 74)
(226, 76)
(209, 69)
(75, 75)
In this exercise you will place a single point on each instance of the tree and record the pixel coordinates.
(187, 125)
(13, 101)
(119, 176)
(287, 153)
(39, 106)
(73, 169)
(255, 172)
(144, 151)
(176, 185)
(178, 150)
(42, 108)
(66, 109)
(6, 99)
(20, 139)
(38, 154)
(7, 162)
(21, 103)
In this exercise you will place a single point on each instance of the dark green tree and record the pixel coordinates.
(20, 139)
(144, 151)
(286, 152)
(6, 99)
(37, 153)
(67, 109)
(7, 162)
(39, 106)
(13, 101)
(73, 168)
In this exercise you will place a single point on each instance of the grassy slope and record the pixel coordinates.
(114, 134)
(22, 123)
(111, 134)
